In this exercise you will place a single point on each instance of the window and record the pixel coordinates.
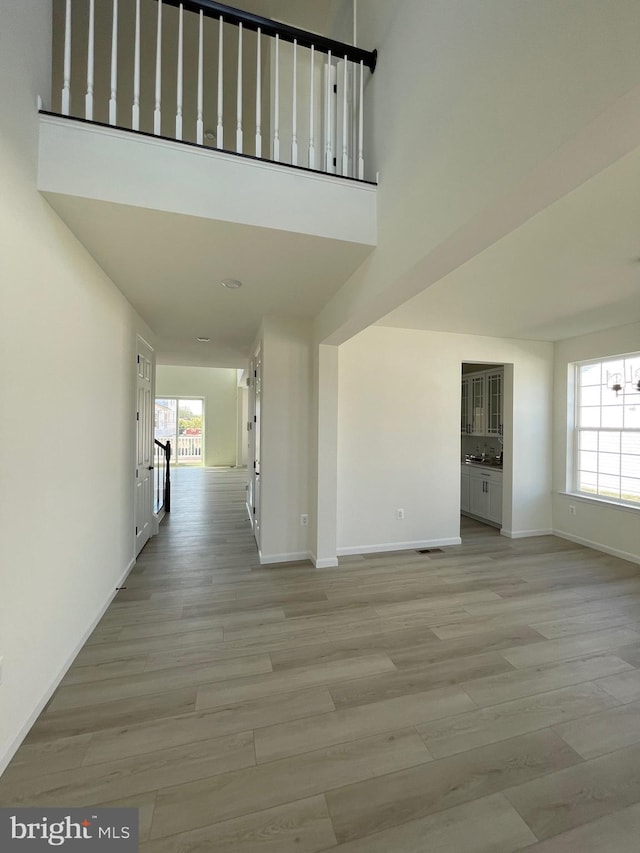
(607, 439)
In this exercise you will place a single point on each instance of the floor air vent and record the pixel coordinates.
(429, 551)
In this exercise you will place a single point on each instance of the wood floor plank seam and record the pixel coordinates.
(487, 694)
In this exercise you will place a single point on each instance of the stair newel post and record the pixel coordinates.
(180, 73)
(135, 112)
(200, 120)
(361, 125)
(259, 95)
(88, 100)
(113, 102)
(220, 128)
(294, 106)
(312, 87)
(345, 142)
(66, 73)
(276, 115)
(239, 140)
(157, 112)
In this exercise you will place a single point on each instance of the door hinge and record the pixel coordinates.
(255, 374)
(138, 359)
(136, 529)
(255, 419)
(137, 416)
(335, 88)
(254, 510)
(136, 472)
(335, 161)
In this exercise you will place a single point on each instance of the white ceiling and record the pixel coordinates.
(572, 269)
(170, 268)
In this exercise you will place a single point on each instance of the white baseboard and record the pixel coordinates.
(598, 546)
(325, 562)
(524, 534)
(13, 747)
(397, 546)
(293, 557)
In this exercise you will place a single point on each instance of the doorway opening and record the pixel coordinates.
(180, 420)
(482, 438)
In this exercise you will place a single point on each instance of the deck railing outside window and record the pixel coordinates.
(202, 72)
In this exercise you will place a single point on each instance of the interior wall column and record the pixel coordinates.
(325, 552)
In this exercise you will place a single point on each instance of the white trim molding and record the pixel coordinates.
(397, 546)
(596, 546)
(14, 745)
(524, 534)
(293, 557)
(324, 562)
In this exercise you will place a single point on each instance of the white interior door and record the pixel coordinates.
(254, 491)
(144, 444)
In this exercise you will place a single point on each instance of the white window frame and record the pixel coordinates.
(578, 428)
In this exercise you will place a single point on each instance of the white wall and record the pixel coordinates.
(91, 161)
(467, 101)
(399, 436)
(219, 387)
(612, 529)
(285, 439)
(67, 351)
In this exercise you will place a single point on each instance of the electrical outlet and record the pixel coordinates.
(304, 520)
(400, 514)
(572, 509)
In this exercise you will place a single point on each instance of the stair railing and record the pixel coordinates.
(188, 78)
(162, 476)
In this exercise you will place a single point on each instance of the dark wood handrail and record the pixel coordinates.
(167, 474)
(166, 447)
(213, 9)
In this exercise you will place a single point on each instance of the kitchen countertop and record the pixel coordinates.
(488, 465)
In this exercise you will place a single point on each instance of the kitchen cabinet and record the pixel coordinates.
(465, 506)
(481, 493)
(482, 403)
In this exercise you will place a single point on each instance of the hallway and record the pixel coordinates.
(476, 698)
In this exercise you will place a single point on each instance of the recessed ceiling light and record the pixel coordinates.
(203, 340)
(231, 283)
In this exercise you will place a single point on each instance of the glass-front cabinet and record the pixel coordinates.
(482, 403)
(494, 384)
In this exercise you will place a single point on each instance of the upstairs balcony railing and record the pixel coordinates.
(202, 72)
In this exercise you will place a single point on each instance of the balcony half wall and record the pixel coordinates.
(93, 161)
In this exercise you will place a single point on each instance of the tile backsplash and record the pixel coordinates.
(476, 444)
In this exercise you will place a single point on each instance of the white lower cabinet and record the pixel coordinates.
(464, 490)
(481, 494)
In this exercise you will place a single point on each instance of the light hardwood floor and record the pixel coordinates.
(485, 697)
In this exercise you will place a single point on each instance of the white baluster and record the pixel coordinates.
(88, 99)
(157, 112)
(329, 166)
(345, 144)
(259, 96)
(361, 125)
(312, 97)
(113, 103)
(180, 73)
(66, 74)
(135, 112)
(294, 122)
(220, 129)
(199, 120)
(276, 110)
(239, 94)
